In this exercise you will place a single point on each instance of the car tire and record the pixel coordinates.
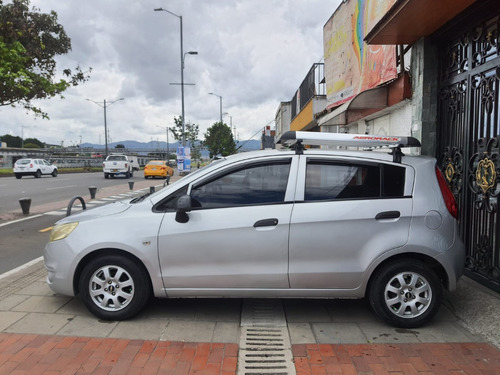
(106, 175)
(38, 173)
(18, 176)
(54, 173)
(405, 293)
(114, 287)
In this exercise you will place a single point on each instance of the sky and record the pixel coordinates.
(252, 53)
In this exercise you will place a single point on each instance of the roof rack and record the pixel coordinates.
(297, 139)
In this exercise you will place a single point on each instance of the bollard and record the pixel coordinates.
(92, 190)
(131, 185)
(25, 205)
(151, 189)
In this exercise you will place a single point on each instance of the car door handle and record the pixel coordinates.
(386, 215)
(266, 223)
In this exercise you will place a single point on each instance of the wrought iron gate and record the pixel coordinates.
(469, 136)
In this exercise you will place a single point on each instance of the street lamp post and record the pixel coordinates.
(182, 71)
(105, 105)
(220, 104)
(168, 147)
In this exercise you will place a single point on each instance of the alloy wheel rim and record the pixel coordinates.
(111, 288)
(408, 295)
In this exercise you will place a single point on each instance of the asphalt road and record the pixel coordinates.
(24, 240)
(48, 189)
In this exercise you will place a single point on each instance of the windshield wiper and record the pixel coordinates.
(140, 199)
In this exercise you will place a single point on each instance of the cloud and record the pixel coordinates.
(254, 53)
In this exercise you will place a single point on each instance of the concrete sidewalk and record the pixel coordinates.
(44, 333)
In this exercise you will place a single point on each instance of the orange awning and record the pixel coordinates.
(409, 20)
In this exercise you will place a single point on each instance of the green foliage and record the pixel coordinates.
(29, 42)
(15, 141)
(190, 130)
(12, 141)
(35, 142)
(219, 140)
(119, 146)
(30, 145)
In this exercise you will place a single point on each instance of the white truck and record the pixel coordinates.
(119, 164)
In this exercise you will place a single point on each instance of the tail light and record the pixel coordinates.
(126, 165)
(31, 165)
(449, 198)
(103, 165)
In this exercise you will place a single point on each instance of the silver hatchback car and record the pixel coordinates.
(279, 223)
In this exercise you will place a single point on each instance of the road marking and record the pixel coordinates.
(61, 187)
(45, 230)
(19, 220)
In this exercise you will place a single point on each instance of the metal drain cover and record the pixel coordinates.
(264, 343)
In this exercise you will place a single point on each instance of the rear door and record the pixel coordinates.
(347, 213)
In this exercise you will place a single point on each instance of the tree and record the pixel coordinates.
(219, 140)
(29, 42)
(190, 130)
(120, 146)
(12, 141)
(34, 142)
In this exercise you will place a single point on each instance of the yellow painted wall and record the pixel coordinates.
(303, 118)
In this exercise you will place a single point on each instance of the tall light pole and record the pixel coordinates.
(168, 147)
(182, 71)
(220, 103)
(105, 105)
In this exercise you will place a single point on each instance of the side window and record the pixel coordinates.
(327, 181)
(168, 204)
(394, 181)
(256, 184)
(330, 181)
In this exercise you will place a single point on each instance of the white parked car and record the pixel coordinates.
(303, 223)
(34, 167)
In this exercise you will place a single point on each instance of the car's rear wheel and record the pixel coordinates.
(38, 173)
(114, 287)
(18, 176)
(405, 293)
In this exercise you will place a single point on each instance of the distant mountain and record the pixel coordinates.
(144, 147)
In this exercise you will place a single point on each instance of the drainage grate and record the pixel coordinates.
(264, 344)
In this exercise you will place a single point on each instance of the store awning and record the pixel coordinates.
(369, 102)
(409, 20)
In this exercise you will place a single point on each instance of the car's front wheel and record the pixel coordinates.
(54, 173)
(405, 293)
(114, 287)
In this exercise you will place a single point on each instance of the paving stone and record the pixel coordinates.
(40, 323)
(87, 327)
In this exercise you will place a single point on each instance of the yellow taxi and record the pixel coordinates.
(158, 168)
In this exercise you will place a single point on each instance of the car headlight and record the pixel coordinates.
(62, 231)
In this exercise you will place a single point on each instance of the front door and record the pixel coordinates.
(236, 236)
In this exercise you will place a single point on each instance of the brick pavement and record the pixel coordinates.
(55, 355)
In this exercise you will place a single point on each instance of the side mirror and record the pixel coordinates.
(183, 206)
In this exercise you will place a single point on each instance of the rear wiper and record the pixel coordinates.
(140, 199)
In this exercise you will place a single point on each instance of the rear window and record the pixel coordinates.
(117, 158)
(156, 163)
(334, 181)
(23, 161)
